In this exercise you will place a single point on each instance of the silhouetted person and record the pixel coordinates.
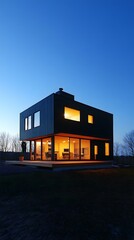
(23, 145)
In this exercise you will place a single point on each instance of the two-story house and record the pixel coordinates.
(60, 128)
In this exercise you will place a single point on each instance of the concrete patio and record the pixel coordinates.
(64, 164)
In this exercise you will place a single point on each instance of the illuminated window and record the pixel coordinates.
(106, 149)
(90, 119)
(72, 114)
(95, 149)
(85, 149)
(37, 119)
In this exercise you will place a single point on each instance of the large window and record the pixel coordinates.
(71, 114)
(37, 119)
(85, 149)
(46, 149)
(32, 150)
(62, 147)
(38, 149)
(74, 148)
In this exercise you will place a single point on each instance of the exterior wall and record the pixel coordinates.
(46, 108)
(101, 150)
(101, 128)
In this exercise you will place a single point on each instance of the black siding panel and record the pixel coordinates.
(101, 128)
(46, 108)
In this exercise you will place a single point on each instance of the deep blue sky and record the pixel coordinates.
(84, 46)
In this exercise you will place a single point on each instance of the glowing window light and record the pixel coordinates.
(71, 114)
(106, 149)
(95, 149)
(90, 119)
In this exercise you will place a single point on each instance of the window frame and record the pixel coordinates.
(72, 118)
(26, 124)
(36, 121)
(107, 149)
(90, 119)
(29, 122)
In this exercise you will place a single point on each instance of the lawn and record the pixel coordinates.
(88, 204)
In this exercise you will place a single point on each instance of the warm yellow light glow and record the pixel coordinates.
(72, 114)
(106, 149)
(90, 119)
(95, 149)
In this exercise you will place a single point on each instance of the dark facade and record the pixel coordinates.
(60, 128)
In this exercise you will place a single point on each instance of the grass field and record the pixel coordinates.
(91, 204)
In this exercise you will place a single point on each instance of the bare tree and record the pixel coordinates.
(117, 149)
(129, 143)
(15, 144)
(4, 141)
(124, 150)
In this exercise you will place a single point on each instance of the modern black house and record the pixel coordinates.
(60, 128)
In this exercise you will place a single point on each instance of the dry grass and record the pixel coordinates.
(91, 204)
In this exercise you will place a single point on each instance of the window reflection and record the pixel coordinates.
(37, 119)
(29, 122)
(25, 123)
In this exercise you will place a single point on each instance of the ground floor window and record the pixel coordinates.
(38, 149)
(68, 148)
(95, 151)
(62, 147)
(46, 149)
(85, 149)
(74, 148)
(107, 149)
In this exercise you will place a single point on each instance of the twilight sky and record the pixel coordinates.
(84, 46)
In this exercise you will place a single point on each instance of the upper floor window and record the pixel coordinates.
(27, 124)
(90, 119)
(37, 119)
(71, 114)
